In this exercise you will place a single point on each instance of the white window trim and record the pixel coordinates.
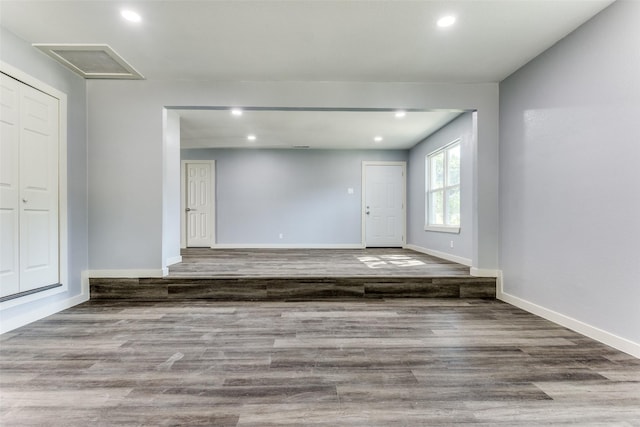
(440, 228)
(443, 228)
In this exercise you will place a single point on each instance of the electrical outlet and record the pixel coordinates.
(451, 244)
(281, 236)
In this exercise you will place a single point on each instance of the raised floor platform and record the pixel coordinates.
(293, 274)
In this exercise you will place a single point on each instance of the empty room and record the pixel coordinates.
(358, 213)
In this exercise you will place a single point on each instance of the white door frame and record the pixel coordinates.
(183, 199)
(63, 230)
(364, 196)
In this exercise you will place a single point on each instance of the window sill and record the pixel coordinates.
(442, 229)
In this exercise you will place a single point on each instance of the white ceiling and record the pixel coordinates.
(308, 40)
(315, 129)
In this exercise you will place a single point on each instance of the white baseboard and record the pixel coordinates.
(483, 272)
(287, 246)
(48, 309)
(14, 302)
(590, 331)
(174, 260)
(126, 274)
(474, 271)
(443, 255)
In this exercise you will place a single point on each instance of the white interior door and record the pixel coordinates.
(199, 204)
(38, 189)
(384, 205)
(29, 183)
(9, 186)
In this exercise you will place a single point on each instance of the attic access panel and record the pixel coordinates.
(91, 61)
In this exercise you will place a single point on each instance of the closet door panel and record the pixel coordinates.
(9, 188)
(38, 189)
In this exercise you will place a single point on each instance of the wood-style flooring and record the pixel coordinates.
(301, 274)
(400, 362)
(206, 262)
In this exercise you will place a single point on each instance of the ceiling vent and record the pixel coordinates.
(91, 61)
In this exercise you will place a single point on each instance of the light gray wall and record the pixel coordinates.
(299, 193)
(19, 54)
(126, 150)
(126, 183)
(460, 128)
(570, 175)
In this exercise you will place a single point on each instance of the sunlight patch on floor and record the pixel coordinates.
(385, 261)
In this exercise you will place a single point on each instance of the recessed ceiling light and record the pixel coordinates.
(130, 15)
(400, 114)
(236, 111)
(251, 137)
(446, 21)
(377, 138)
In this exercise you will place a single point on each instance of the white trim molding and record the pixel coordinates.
(442, 229)
(15, 322)
(578, 326)
(36, 296)
(483, 272)
(443, 255)
(174, 260)
(287, 246)
(126, 274)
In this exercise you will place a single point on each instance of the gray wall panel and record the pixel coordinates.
(570, 175)
(299, 193)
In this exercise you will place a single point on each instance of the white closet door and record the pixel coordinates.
(39, 135)
(29, 147)
(9, 187)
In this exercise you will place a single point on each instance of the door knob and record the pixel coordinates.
(24, 200)
(367, 212)
(189, 209)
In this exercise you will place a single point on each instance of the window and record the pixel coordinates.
(443, 189)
